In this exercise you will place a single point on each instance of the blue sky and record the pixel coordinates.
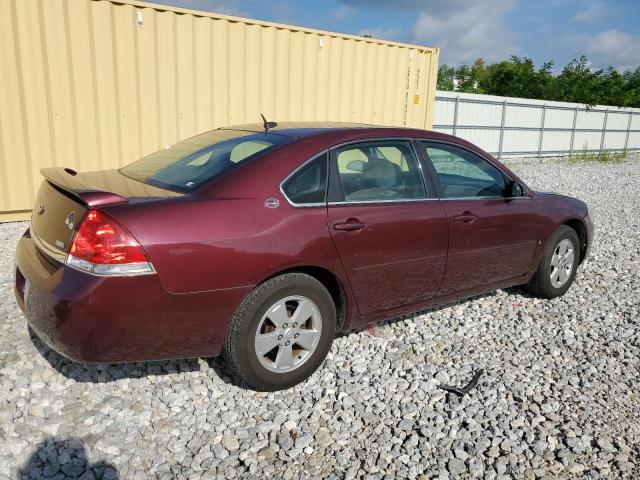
(608, 32)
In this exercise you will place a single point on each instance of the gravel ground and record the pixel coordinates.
(559, 397)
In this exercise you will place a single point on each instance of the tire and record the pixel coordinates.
(542, 284)
(258, 323)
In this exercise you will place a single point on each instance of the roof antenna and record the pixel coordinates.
(268, 125)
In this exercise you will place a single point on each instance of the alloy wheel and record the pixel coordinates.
(288, 334)
(562, 263)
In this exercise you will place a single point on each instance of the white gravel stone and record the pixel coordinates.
(559, 396)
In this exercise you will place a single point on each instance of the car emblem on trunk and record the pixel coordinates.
(40, 209)
(271, 203)
(70, 219)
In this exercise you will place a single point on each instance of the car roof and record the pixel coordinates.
(304, 129)
(344, 131)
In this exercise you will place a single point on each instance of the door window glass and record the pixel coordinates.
(378, 171)
(464, 174)
(309, 184)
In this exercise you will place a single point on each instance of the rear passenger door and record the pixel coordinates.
(388, 227)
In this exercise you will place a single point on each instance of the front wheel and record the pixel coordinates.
(558, 265)
(281, 332)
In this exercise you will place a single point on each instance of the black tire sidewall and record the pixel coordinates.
(248, 363)
(563, 233)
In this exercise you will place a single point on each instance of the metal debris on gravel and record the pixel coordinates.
(560, 395)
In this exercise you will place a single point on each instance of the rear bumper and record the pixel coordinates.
(94, 319)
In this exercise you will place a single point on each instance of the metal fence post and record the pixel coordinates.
(626, 139)
(604, 129)
(544, 114)
(504, 112)
(455, 116)
(573, 130)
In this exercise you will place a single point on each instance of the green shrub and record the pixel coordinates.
(603, 156)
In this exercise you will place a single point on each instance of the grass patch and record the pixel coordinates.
(604, 156)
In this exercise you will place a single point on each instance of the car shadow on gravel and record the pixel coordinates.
(56, 458)
(105, 373)
(520, 290)
(382, 323)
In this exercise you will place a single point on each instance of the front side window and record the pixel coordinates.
(379, 171)
(464, 174)
(309, 184)
(190, 163)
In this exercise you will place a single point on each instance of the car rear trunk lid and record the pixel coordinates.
(65, 196)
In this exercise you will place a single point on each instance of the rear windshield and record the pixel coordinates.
(186, 165)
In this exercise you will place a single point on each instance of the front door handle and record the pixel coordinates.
(466, 217)
(352, 224)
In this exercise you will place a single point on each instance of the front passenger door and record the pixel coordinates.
(492, 239)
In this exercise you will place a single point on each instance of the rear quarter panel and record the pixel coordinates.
(223, 244)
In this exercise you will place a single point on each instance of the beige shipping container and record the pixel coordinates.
(96, 84)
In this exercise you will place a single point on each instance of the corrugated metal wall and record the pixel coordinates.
(507, 126)
(94, 84)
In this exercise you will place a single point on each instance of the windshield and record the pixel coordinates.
(186, 165)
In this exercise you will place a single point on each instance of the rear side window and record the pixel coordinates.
(463, 174)
(379, 171)
(189, 164)
(309, 184)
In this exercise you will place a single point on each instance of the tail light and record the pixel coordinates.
(104, 247)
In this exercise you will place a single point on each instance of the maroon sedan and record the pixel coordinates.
(262, 243)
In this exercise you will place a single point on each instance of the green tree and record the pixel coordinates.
(467, 78)
(470, 78)
(579, 84)
(445, 77)
(518, 78)
(613, 88)
(632, 87)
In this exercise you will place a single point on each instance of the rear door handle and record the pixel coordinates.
(350, 225)
(466, 217)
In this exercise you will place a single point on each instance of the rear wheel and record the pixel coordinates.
(558, 265)
(281, 332)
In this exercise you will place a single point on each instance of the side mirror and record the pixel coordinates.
(356, 166)
(514, 189)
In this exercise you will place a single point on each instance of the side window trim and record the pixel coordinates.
(335, 194)
(434, 174)
(431, 186)
(298, 169)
